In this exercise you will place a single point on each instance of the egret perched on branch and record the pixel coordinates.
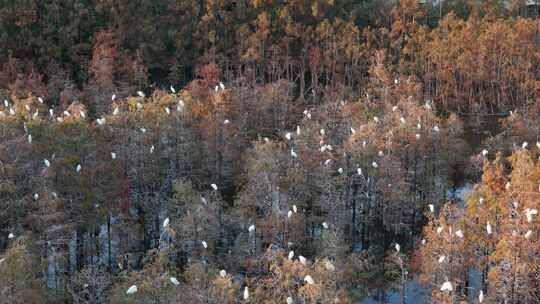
(36, 113)
(78, 168)
(294, 208)
(113, 155)
(376, 119)
(6, 103)
(524, 145)
(36, 196)
(459, 233)
(340, 170)
(418, 126)
(289, 214)
(29, 138)
(101, 121)
(302, 260)
(481, 296)
(152, 148)
(113, 97)
(66, 113)
(221, 85)
(51, 112)
(246, 290)
(143, 130)
(325, 225)
(488, 228)
(359, 171)
(27, 108)
(288, 136)
(398, 247)
(167, 110)
(431, 208)
(47, 163)
(83, 115)
(214, 186)
(11, 111)
(174, 281)
(298, 130)
(290, 300)
(484, 153)
(141, 94)
(322, 132)
(374, 165)
(204, 244)
(447, 286)
(226, 122)
(291, 255)
(222, 273)
(441, 259)
(172, 89)
(308, 279)
(115, 112)
(402, 120)
(40, 99)
(251, 228)
(417, 136)
(11, 236)
(132, 289)
(166, 223)
(394, 108)
(293, 154)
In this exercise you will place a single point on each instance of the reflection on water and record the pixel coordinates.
(415, 293)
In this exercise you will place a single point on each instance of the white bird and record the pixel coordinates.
(36, 113)
(481, 296)
(459, 233)
(113, 97)
(66, 113)
(294, 208)
(216, 88)
(11, 236)
(302, 260)
(51, 112)
(2, 260)
(288, 135)
(60, 119)
(481, 200)
(398, 247)
(143, 130)
(439, 229)
(374, 165)
(484, 153)
(402, 119)
(291, 255)
(40, 99)
(441, 259)
(359, 171)
(447, 286)
(329, 266)
(528, 234)
(418, 126)
(226, 122)
(221, 85)
(167, 110)
(251, 228)
(298, 130)
(222, 273)
(381, 153)
(11, 111)
(36, 196)
(166, 223)
(78, 168)
(172, 89)
(289, 214)
(394, 108)
(488, 228)
(113, 155)
(524, 145)
(174, 281)
(246, 293)
(327, 162)
(431, 208)
(83, 115)
(6, 103)
(529, 213)
(325, 225)
(290, 300)
(423, 241)
(436, 128)
(322, 132)
(376, 119)
(204, 244)
(308, 279)
(340, 170)
(115, 112)
(293, 154)
(101, 121)
(141, 94)
(29, 138)
(417, 136)
(214, 186)
(152, 148)
(27, 108)
(132, 289)
(47, 163)
(353, 130)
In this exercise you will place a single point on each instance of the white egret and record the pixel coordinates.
(113, 155)
(132, 289)
(374, 165)
(402, 119)
(222, 273)
(226, 122)
(291, 255)
(359, 171)
(417, 136)
(394, 108)
(40, 99)
(322, 132)
(78, 168)
(167, 110)
(116, 110)
(484, 153)
(418, 126)
(246, 293)
(481, 296)
(288, 136)
(11, 111)
(308, 279)
(152, 148)
(214, 186)
(298, 130)
(481, 200)
(174, 281)
(83, 115)
(101, 121)
(47, 163)
(204, 244)
(36, 196)
(29, 138)
(508, 185)
(51, 112)
(325, 225)
(113, 97)
(441, 259)
(290, 300)
(431, 208)
(376, 119)
(251, 228)
(143, 130)
(423, 241)
(141, 94)
(66, 113)
(289, 214)
(340, 170)
(11, 236)
(459, 233)
(6, 103)
(27, 108)
(436, 128)
(447, 286)
(381, 153)
(294, 208)
(398, 247)
(216, 89)
(488, 228)
(36, 113)
(221, 85)
(353, 131)
(302, 260)
(293, 154)
(172, 89)
(524, 145)
(60, 119)
(166, 223)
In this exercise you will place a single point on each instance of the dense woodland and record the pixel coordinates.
(265, 151)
